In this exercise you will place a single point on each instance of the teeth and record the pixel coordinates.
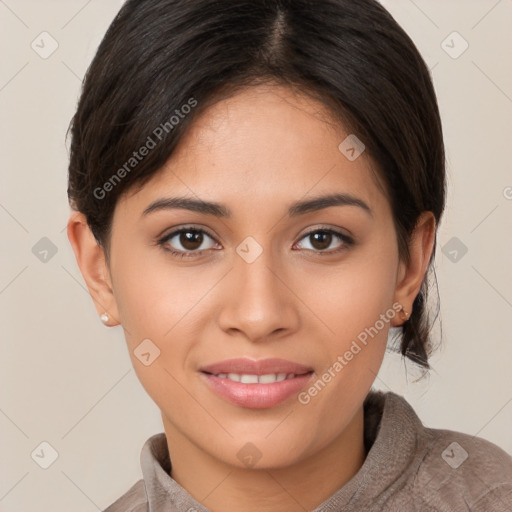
(244, 378)
(248, 379)
(267, 379)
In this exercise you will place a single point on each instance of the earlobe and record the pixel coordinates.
(90, 257)
(411, 276)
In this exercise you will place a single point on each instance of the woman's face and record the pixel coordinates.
(260, 283)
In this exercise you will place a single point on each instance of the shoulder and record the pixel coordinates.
(463, 472)
(134, 500)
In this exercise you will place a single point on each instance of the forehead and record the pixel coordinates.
(267, 143)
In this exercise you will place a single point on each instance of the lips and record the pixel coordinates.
(256, 384)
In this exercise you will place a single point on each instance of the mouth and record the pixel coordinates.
(256, 384)
(251, 378)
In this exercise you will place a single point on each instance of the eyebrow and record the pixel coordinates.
(219, 210)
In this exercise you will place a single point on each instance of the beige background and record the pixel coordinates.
(67, 380)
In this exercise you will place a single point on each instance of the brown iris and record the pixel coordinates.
(321, 239)
(191, 240)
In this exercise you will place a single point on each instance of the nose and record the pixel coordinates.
(257, 301)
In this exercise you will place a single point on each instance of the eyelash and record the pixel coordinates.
(347, 241)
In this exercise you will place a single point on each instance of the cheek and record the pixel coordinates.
(163, 303)
(153, 295)
(352, 296)
(356, 304)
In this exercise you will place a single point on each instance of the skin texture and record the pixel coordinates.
(256, 153)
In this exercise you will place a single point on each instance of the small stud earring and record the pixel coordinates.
(405, 314)
(104, 318)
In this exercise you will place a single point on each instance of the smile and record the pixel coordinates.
(256, 384)
(245, 378)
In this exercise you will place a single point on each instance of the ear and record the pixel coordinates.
(410, 276)
(90, 257)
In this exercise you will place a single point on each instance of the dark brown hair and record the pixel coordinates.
(163, 62)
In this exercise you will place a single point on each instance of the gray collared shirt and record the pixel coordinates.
(409, 468)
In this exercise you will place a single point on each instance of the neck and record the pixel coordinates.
(302, 486)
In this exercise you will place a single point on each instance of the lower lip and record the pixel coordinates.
(256, 396)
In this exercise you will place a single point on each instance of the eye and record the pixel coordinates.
(323, 238)
(192, 242)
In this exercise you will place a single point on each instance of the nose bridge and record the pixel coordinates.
(257, 301)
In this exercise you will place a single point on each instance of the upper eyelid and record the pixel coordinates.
(183, 229)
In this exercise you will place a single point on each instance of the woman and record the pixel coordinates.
(257, 187)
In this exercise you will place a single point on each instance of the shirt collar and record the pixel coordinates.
(394, 448)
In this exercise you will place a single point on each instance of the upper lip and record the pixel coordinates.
(256, 367)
